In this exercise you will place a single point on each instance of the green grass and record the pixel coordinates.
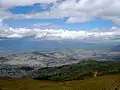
(98, 83)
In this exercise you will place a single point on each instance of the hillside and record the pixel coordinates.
(78, 71)
(108, 82)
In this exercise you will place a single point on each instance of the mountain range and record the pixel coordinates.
(25, 45)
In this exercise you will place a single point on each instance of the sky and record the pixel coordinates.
(82, 20)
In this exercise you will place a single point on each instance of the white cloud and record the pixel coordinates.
(79, 19)
(51, 34)
(114, 28)
(46, 25)
(13, 3)
(1, 24)
(42, 24)
(1, 20)
(14, 36)
(75, 10)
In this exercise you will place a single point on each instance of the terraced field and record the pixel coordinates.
(108, 82)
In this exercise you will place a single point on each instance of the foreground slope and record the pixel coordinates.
(108, 82)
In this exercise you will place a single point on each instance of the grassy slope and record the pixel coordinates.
(78, 71)
(98, 83)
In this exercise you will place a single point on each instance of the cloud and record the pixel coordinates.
(46, 25)
(42, 24)
(1, 24)
(14, 3)
(60, 34)
(79, 19)
(75, 10)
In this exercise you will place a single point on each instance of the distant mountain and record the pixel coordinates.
(23, 45)
(115, 48)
